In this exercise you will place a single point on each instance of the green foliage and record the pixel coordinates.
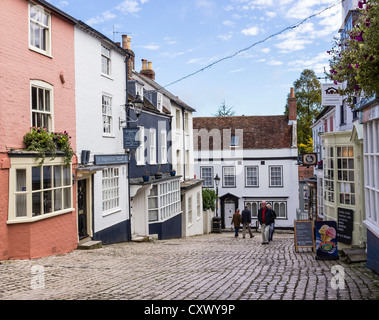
(224, 111)
(44, 142)
(355, 58)
(209, 199)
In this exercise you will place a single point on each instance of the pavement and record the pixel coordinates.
(208, 267)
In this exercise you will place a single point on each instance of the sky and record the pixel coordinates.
(181, 37)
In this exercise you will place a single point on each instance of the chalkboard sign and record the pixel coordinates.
(345, 225)
(304, 235)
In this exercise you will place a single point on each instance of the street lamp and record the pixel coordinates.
(217, 182)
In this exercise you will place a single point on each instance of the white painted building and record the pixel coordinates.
(256, 159)
(102, 179)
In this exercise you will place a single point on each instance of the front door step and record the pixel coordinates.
(89, 245)
(353, 255)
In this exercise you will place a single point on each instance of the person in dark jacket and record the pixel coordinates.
(246, 220)
(272, 225)
(265, 219)
(236, 221)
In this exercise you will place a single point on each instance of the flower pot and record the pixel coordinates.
(145, 178)
(172, 172)
(158, 175)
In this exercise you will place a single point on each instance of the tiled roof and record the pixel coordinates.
(259, 132)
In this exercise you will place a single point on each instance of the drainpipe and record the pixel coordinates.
(127, 57)
(184, 146)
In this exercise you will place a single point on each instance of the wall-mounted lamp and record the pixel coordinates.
(137, 105)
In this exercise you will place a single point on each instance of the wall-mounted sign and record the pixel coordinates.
(330, 94)
(309, 159)
(111, 159)
(130, 138)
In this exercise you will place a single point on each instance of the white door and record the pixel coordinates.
(229, 210)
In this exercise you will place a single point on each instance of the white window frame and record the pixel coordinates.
(140, 152)
(38, 24)
(189, 210)
(345, 176)
(198, 204)
(41, 111)
(256, 176)
(110, 190)
(152, 146)
(107, 116)
(207, 177)
(166, 199)
(163, 148)
(159, 101)
(271, 185)
(106, 61)
(226, 175)
(27, 164)
(371, 164)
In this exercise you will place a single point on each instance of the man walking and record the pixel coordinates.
(246, 220)
(272, 225)
(265, 219)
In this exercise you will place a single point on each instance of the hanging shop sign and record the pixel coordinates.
(330, 94)
(130, 138)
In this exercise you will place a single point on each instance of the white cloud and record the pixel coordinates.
(236, 70)
(129, 6)
(274, 63)
(150, 47)
(225, 36)
(228, 23)
(253, 31)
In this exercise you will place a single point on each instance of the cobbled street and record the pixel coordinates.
(207, 267)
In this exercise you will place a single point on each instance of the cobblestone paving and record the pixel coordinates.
(207, 267)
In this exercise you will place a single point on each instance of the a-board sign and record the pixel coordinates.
(304, 234)
(345, 225)
(326, 240)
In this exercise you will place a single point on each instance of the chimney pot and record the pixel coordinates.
(144, 62)
(149, 65)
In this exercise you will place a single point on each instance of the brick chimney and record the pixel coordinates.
(126, 44)
(292, 109)
(292, 116)
(147, 69)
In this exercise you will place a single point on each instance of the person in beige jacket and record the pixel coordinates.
(236, 221)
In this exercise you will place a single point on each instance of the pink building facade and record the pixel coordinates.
(37, 89)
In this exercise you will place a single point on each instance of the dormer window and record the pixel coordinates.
(234, 142)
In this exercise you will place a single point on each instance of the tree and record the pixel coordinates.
(209, 199)
(355, 58)
(224, 111)
(308, 99)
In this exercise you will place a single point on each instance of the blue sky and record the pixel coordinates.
(181, 37)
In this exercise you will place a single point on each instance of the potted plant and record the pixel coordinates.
(172, 172)
(158, 174)
(44, 142)
(146, 176)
